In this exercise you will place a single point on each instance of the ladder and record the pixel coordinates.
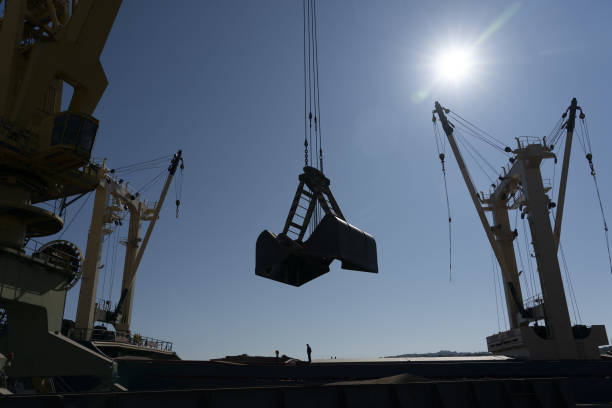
(313, 188)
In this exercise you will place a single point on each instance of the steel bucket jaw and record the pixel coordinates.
(337, 239)
(281, 259)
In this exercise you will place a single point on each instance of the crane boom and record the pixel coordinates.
(570, 124)
(448, 130)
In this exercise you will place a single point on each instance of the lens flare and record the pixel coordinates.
(454, 65)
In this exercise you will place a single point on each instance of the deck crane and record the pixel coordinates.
(522, 187)
(288, 257)
(89, 311)
(45, 154)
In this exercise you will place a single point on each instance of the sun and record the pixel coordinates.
(454, 65)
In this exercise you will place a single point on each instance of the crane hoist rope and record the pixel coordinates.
(585, 138)
(312, 101)
(75, 215)
(441, 147)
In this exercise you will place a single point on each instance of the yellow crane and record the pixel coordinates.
(45, 155)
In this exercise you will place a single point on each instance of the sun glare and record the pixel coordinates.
(454, 65)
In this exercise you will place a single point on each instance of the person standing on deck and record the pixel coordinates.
(309, 352)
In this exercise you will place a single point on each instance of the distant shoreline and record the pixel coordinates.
(443, 353)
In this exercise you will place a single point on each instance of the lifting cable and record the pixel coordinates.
(145, 165)
(523, 272)
(494, 262)
(441, 148)
(75, 215)
(473, 152)
(563, 263)
(318, 100)
(463, 128)
(115, 247)
(479, 133)
(555, 135)
(585, 141)
(178, 188)
(151, 182)
(305, 96)
(312, 103)
(106, 255)
(529, 255)
(570, 286)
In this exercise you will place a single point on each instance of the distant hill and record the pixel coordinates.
(444, 353)
(448, 353)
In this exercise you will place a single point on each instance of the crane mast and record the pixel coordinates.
(523, 183)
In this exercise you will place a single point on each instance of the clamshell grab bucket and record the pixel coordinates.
(284, 260)
(295, 262)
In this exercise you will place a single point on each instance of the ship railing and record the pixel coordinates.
(105, 305)
(143, 341)
(31, 246)
(56, 257)
(534, 300)
(524, 141)
(123, 337)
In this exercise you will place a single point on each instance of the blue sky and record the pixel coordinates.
(222, 80)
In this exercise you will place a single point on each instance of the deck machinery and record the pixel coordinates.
(522, 187)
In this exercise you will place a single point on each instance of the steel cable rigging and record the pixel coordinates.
(75, 215)
(584, 139)
(144, 165)
(441, 148)
(563, 263)
(583, 134)
(312, 102)
(178, 189)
